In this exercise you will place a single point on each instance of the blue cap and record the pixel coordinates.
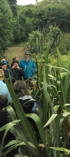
(4, 62)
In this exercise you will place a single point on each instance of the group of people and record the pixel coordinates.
(20, 71)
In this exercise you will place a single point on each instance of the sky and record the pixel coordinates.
(25, 2)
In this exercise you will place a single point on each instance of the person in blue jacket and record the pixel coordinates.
(28, 66)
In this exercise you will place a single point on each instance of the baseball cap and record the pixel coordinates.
(27, 53)
(4, 62)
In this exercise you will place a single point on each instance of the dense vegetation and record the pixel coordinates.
(47, 17)
(53, 113)
(45, 27)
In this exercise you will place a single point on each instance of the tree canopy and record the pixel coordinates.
(5, 25)
(18, 22)
(13, 6)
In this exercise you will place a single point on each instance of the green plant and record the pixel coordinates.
(54, 125)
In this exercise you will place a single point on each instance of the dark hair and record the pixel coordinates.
(14, 59)
(15, 62)
(3, 101)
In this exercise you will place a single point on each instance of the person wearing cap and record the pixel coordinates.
(3, 87)
(6, 61)
(28, 66)
(7, 71)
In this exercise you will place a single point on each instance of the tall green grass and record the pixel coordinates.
(54, 125)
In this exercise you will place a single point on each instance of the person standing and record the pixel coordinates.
(3, 87)
(17, 71)
(7, 71)
(8, 66)
(14, 59)
(28, 66)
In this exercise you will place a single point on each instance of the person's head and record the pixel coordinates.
(3, 59)
(27, 55)
(21, 88)
(15, 59)
(3, 101)
(4, 64)
(15, 63)
(1, 74)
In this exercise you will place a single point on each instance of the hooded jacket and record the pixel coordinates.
(28, 104)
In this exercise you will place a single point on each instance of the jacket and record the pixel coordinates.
(7, 72)
(28, 104)
(29, 68)
(17, 73)
(3, 121)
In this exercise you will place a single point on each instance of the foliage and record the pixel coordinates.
(53, 83)
(36, 42)
(54, 37)
(54, 122)
(30, 18)
(24, 27)
(57, 15)
(5, 26)
(13, 6)
(38, 21)
(44, 3)
(64, 44)
(16, 30)
(64, 2)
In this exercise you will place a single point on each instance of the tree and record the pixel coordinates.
(54, 37)
(57, 15)
(5, 26)
(13, 6)
(36, 42)
(26, 25)
(38, 21)
(16, 31)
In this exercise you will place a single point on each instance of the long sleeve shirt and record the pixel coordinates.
(4, 90)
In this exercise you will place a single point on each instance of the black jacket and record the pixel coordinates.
(28, 103)
(17, 73)
(3, 121)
